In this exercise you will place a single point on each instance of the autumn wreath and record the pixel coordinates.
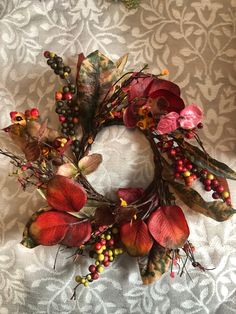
(144, 223)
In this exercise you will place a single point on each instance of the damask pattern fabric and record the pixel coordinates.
(196, 41)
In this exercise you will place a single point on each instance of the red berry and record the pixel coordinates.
(95, 276)
(67, 96)
(189, 166)
(207, 182)
(110, 242)
(34, 112)
(208, 188)
(179, 162)
(46, 54)
(106, 264)
(103, 242)
(177, 175)
(189, 135)
(228, 201)
(172, 274)
(203, 171)
(220, 189)
(172, 152)
(215, 195)
(92, 268)
(214, 183)
(106, 258)
(97, 246)
(179, 168)
(62, 118)
(184, 169)
(200, 125)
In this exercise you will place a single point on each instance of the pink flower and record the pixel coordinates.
(190, 117)
(168, 123)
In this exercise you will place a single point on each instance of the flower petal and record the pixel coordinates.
(173, 102)
(130, 118)
(190, 117)
(130, 195)
(168, 123)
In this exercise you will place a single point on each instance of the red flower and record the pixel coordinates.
(161, 96)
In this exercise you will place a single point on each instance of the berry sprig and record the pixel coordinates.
(66, 107)
(104, 250)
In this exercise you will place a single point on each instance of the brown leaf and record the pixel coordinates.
(32, 151)
(155, 265)
(89, 163)
(103, 216)
(124, 214)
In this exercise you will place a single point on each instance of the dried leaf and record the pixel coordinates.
(32, 151)
(168, 226)
(154, 265)
(136, 237)
(217, 210)
(120, 63)
(65, 194)
(103, 216)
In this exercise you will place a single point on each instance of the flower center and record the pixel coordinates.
(127, 160)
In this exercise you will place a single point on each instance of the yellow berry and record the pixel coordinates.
(110, 253)
(83, 280)
(100, 269)
(108, 237)
(100, 257)
(116, 252)
(66, 74)
(102, 236)
(52, 54)
(86, 284)
(121, 251)
(210, 176)
(225, 194)
(88, 277)
(78, 278)
(97, 263)
(104, 247)
(111, 258)
(186, 174)
(100, 251)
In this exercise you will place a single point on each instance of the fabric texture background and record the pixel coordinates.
(196, 41)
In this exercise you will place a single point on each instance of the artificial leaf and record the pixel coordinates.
(153, 266)
(65, 194)
(89, 163)
(217, 210)
(136, 237)
(53, 227)
(41, 131)
(168, 226)
(104, 216)
(95, 80)
(130, 195)
(32, 151)
(203, 160)
(121, 62)
(123, 214)
(67, 170)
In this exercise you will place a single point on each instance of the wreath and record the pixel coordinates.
(146, 224)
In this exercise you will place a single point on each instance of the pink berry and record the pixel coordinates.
(228, 201)
(103, 242)
(172, 274)
(189, 166)
(110, 242)
(172, 152)
(67, 96)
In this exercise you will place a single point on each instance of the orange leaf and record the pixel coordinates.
(136, 238)
(169, 227)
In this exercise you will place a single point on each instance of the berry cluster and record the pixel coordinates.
(104, 251)
(185, 170)
(66, 108)
(211, 183)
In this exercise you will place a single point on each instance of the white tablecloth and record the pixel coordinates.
(195, 40)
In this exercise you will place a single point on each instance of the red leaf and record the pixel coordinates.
(173, 102)
(130, 195)
(53, 227)
(65, 194)
(169, 227)
(136, 238)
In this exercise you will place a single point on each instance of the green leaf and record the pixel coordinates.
(217, 210)
(203, 160)
(155, 265)
(97, 74)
